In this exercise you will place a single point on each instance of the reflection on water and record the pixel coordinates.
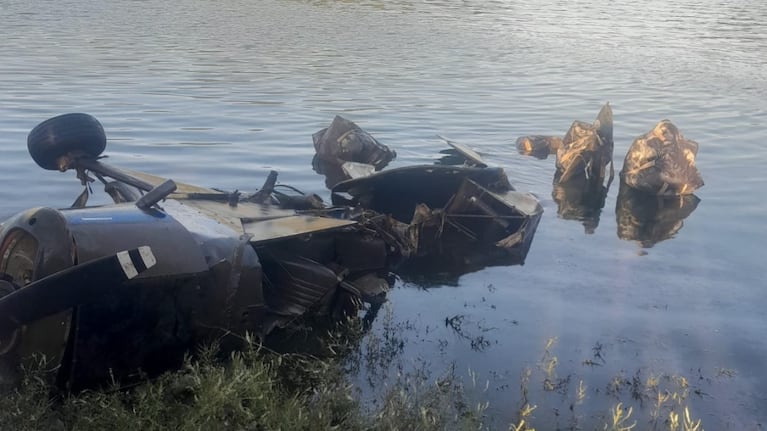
(650, 219)
(445, 266)
(581, 199)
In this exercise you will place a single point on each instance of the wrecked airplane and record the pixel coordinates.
(111, 290)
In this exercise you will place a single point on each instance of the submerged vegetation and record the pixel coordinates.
(261, 389)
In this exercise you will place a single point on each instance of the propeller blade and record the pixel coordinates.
(72, 286)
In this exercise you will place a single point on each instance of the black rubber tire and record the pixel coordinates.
(68, 133)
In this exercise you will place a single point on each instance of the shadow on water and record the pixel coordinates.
(650, 219)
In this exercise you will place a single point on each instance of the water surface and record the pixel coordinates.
(219, 93)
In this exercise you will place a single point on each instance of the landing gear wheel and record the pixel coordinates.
(65, 135)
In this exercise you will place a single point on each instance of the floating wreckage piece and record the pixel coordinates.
(344, 141)
(538, 146)
(650, 219)
(587, 149)
(580, 199)
(662, 162)
(579, 188)
(582, 158)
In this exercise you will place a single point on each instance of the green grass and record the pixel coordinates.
(258, 389)
(251, 390)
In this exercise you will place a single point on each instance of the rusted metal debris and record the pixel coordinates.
(659, 163)
(584, 151)
(662, 162)
(538, 146)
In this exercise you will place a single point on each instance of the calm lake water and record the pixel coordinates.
(219, 93)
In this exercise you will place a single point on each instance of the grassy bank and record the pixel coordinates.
(258, 389)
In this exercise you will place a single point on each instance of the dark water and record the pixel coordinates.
(218, 93)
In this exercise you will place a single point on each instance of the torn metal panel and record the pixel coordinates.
(398, 191)
(293, 285)
(355, 170)
(344, 141)
(477, 215)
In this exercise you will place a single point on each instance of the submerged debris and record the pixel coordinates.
(539, 146)
(582, 157)
(587, 149)
(662, 162)
(344, 141)
(584, 151)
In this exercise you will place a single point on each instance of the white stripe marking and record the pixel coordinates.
(127, 264)
(147, 256)
(95, 218)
